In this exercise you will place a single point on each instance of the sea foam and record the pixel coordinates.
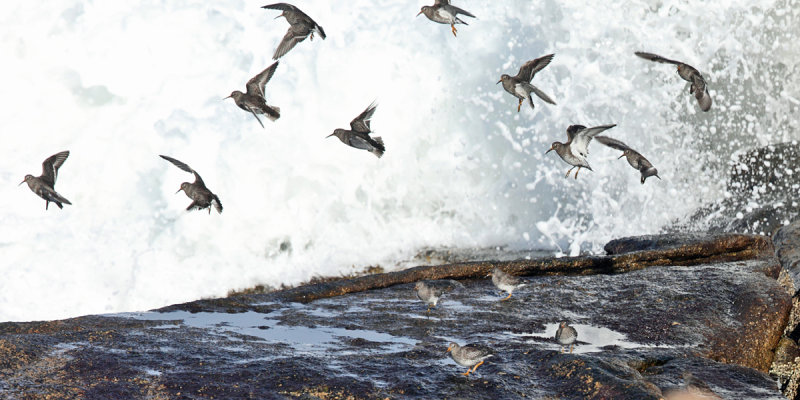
(118, 83)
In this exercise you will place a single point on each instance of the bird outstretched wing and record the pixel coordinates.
(613, 143)
(51, 165)
(295, 35)
(281, 6)
(255, 86)
(183, 166)
(656, 58)
(580, 143)
(530, 68)
(361, 123)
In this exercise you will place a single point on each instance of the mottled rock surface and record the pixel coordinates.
(717, 316)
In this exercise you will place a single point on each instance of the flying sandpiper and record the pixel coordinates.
(635, 159)
(575, 150)
(254, 100)
(358, 135)
(44, 184)
(520, 86)
(690, 74)
(301, 26)
(444, 13)
(202, 198)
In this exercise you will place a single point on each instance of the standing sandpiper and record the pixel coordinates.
(635, 159)
(505, 282)
(470, 356)
(688, 73)
(197, 191)
(44, 185)
(428, 294)
(566, 336)
(520, 86)
(358, 136)
(254, 100)
(301, 26)
(442, 12)
(574, 152)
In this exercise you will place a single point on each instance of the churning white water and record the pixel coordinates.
(118, 83)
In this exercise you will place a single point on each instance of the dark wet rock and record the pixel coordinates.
(639, 332)
(761, 194)
(787, 242)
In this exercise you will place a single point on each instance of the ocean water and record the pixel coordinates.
(118, 83)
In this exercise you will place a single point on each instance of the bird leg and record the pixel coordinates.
(476, 366)
(519, 106)
(576, 172)
(561, 349)
(467, 373)
(46, 204)
(570, 348)
(453, 26)
(570, 170)
(507, 297)
(312, 36)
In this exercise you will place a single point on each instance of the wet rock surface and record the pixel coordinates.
(761, 194)
(638, 333)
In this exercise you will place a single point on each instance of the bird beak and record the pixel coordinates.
(329, 135)
(498, 81)
(179, 190)
(449, 348)
(623, 155)
(551, 149)
(420, 12)
(659, 178)
(23, 181)
(226, 97)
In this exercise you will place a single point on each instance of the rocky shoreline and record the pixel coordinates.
(651, 310)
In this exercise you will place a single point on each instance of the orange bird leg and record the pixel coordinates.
(570, 170)
(506, 298)
(476, 366)
(519, 106)
(453, 26)
(576, 172)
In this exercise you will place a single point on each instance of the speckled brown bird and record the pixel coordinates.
(444, 13)
(301, 26)
(44, 184)
(690, 74)
(636, 160)
(471, 356)
(201, 196)
(520, 85)
(254, 100)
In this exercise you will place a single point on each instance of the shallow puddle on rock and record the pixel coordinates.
(266, 327)
(591, 339)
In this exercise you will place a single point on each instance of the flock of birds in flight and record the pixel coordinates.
(574, 151)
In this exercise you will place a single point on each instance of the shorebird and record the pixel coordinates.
(358, 135)
(690, 74)
(505, 282)
(197, 191)
(635, 159)
(301, 26)
(254, 101)
(520, 86)
(692, 389)
(44, 184)
(444, 13)
(470, 356)
(574, 152)
(428, 294)
(566, 336)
